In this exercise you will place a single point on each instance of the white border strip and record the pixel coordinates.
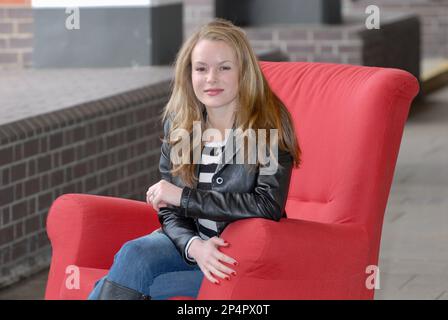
(100, 3)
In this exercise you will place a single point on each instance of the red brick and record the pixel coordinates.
(56, 140)
(5, 176)
(25, 27)
(295, 48)
(32, 187)
(57, 178)
(6, 27)
(31, 148)
(6, 235)
(67, 156)
(260, 34)
(32, 224)
(18, 172)
(42, 240)
(6, 156)
(80, 170)
(20, 13)
(91, 183)
(21, 43)
(44, 163)
(45, 181)
(19, 210)
(292, 35)
(327, 35)
(8, 58)
(31, 167)
(5, 255)
(349, 49)
(18, 190)
(7, 195)
(19, 249)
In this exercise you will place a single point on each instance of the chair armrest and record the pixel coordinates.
(87, 230)
(293, 259)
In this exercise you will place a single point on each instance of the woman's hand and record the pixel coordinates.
(210, 259)
(162, 194)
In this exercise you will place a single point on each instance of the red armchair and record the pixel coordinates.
(349, 120)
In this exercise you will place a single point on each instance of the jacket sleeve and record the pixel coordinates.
(178, 228)
(267, 200)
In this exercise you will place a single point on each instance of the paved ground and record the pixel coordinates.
(413, 258)
(47, 90)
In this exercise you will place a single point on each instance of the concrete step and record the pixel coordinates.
(434, 74)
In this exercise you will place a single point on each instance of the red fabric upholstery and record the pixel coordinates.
(87, 230)
(349, 121)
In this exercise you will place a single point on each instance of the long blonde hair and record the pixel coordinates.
(258, 106)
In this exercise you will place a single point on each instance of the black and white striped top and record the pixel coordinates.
(211, 155)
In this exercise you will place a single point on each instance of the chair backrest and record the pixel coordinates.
(349, 121)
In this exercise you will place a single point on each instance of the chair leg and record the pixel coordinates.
(113, 291)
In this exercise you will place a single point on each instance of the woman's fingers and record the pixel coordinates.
(225, 258)
(218, 265)
(151, 189)
(153, 197)
(162, 204)
(221, 256)
(157, 202)
(150, 198)
(212, 261)
(216, 272)
(219, 241)
(154, 200)
(150, 194)
(221, 266)
(208, 275)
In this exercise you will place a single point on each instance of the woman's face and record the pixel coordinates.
(215, 74)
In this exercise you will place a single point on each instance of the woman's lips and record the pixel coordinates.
(213, 92)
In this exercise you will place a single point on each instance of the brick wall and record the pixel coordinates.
(301, 43)
(107, 147)
(197, 13)
(16, 34)
(297, 42)
(433, 15)
(396, 44)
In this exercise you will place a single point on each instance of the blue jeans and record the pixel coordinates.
(152, 265)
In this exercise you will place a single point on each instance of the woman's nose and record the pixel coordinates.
(211, 77)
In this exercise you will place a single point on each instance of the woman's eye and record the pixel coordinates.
(225, 68)
(200, 69)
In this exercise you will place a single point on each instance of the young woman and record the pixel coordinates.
(220, 90)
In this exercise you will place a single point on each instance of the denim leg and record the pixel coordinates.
(96, 289)
(152, 265)
(178, 283)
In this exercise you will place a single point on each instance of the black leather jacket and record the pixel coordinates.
(237, 193)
